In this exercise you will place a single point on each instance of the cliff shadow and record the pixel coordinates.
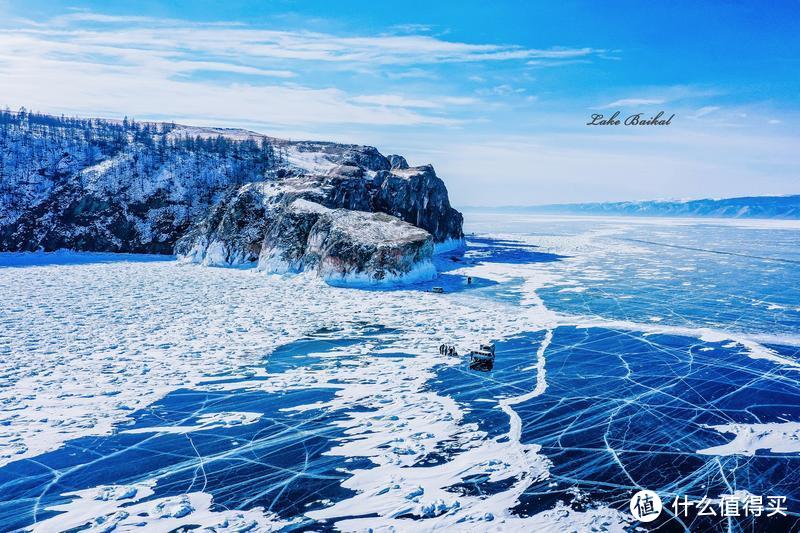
(479, 250)
(489, 250)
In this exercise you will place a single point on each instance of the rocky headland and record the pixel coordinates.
(220, 197)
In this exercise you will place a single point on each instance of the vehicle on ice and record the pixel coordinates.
(484, 354)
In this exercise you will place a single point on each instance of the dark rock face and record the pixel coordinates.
(286, 238)
(415, 195)
(397, 161)
(419, 197)
(357, 247)
(93, 223)
(345, 246)
(232, 231)
(366, 157)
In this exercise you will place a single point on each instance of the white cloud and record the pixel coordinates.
(460, 100)
(629, 102)
(111, 33)
(412, 28)
(89, 63)
(658, 95)
(556, 63)
(410, 73)
(502, 90)
(703, 111)
(394, 100)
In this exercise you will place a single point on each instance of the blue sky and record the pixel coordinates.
(496, 95)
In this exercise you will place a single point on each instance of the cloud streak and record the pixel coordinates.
(628, 102)
(89, 62)
(232, 40)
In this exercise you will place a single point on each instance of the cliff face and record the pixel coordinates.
(232, 230)
(415, 195)
(300, 223)
(218, 197)
(345, 246)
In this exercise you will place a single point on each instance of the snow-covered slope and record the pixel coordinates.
(207, 194)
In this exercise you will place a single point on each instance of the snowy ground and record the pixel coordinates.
(88, 340)
(86, 344)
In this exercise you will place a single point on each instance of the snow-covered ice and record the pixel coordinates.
(143, 392)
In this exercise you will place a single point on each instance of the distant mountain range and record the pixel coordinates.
(785, 207)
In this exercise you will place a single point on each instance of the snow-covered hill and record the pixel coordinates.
(123, 186)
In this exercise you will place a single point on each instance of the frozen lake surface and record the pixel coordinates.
(631, 353)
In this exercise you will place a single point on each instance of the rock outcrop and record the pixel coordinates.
(232, 231)
(222, 198)
(271, 221)
(345, 246)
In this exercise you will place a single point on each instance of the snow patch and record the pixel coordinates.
(205, 422)
(777, 437)
(121, 508)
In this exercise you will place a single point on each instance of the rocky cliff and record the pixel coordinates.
(219, 197)
(346, 246)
